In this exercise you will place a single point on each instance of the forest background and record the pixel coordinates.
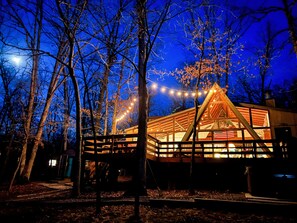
(73, 68)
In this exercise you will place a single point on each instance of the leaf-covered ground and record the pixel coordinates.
(124, 213)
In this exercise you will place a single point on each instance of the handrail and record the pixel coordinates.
(203, 149)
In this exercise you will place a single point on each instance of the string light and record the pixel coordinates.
(175, 92)
(128, 111)
(164, 90)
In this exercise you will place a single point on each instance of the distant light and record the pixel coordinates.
(163, 89)
(154, 86)
(52, 162)
(16, 60)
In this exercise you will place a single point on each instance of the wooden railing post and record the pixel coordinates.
(202, 149)
(227, 146)
(254, 149)
(112, 144)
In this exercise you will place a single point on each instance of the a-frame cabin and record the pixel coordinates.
(244, 135)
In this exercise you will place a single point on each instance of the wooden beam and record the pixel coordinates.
(200, 112)
(242, 119)
(216, 89)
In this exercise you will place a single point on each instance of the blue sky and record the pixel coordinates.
(284, 65)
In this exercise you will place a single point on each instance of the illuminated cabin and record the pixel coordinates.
(229, 140)
(224, 130)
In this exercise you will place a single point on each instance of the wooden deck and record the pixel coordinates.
(124, 147)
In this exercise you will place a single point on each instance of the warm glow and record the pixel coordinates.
(232, 147)
(164, 89)
(16, 60)
(129, 110)
(177, 92)
(216, 155)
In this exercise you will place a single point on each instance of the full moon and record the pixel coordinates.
(16, 60)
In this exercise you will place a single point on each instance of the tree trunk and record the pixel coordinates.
(50, 94)
(103, 90)
(66, 115)
(291, 23)
(143, 97)
(30, 110)
(70, 31)
(116, 100)
(77, 175)
(106, 113)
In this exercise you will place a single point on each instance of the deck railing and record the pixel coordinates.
(127, 143)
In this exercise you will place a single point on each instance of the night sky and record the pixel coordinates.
(172, 55)
(284, 66)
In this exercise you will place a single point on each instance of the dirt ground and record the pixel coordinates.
(24, 211)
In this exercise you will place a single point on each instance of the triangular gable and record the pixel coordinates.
(216, 92)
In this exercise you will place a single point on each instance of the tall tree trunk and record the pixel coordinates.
(71, 25)
(192, 164)
(103, 89)
(97, 172)
(66, 120)
(37, 138)
(30, 109)
(291, 23)
(106, 113)
(77, 175)
(140, 175)
(143, 95)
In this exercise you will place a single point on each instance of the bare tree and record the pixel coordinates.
(71, 25)
(288, 8)
(54, 84)
(15, 12)
(148, 31)
(265, 56)
(112, 35)
(9, 116)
